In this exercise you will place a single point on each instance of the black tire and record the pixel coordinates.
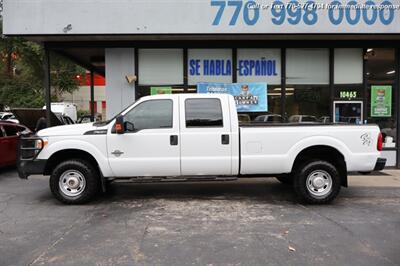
(108, 185)
(313, 168)
(86, 170)
(286, 179)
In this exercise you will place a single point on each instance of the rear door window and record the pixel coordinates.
(203, 113)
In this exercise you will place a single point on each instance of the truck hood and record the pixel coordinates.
(68, 130)
(29, 117)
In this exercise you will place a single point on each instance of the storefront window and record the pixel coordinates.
(262, 65)
(349, 90)
(160, 66)
(160, 72)
(209, 65)
(307, 85)
(348, 67)
(381, 73)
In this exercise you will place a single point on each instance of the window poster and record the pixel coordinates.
(381, 101)
(160, 90)
(249, 97)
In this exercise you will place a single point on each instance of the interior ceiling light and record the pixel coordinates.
(287, 89)
(391, 72)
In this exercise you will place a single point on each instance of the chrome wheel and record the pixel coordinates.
(72, 183)
(319, 183)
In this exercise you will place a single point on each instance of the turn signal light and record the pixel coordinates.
(380, 142)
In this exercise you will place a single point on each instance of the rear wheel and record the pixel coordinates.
(317, 182)
(74, 182)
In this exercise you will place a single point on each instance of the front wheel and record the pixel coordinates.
(74, 182)
(317, 182)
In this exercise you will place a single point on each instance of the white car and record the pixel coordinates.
(8, 117)
(64, 109)
(303, 119)
(325, 119)
(5, 115)
(193, 137)
(271, 118)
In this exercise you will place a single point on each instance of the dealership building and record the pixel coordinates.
(335, 61)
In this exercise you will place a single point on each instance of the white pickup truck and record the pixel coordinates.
(197, 137)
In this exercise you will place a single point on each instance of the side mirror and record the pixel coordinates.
(129, 127)
(119, 125)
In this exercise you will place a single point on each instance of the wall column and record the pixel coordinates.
(120, 63)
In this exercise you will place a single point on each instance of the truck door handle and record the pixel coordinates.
(173, 140)
(225, 139)
(117, 153)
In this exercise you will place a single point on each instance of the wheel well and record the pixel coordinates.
(326, 153)
(60, 156)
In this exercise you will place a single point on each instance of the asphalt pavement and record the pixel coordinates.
(246, 222)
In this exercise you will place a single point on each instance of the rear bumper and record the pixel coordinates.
(380, 164)
(27, 168)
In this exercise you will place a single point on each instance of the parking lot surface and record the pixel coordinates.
(246, 222)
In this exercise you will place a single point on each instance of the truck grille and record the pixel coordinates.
(27, 149)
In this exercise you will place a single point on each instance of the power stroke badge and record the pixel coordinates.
(366, 139)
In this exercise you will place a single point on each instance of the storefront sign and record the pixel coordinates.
(381, 101)
(249, 97)
(259, 65)
(210, 67)
(348, 94)
(216, 65)
(219, 67)
(332, 12)
(201, 17)
(160, 90)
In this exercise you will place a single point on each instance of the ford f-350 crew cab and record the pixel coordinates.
(197, 137)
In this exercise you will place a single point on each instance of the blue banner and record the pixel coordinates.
(249, 97)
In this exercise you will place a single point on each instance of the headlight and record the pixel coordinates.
(41, 143)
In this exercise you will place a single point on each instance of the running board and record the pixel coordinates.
(173, 179)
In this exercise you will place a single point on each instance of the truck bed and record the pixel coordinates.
(272, 148)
